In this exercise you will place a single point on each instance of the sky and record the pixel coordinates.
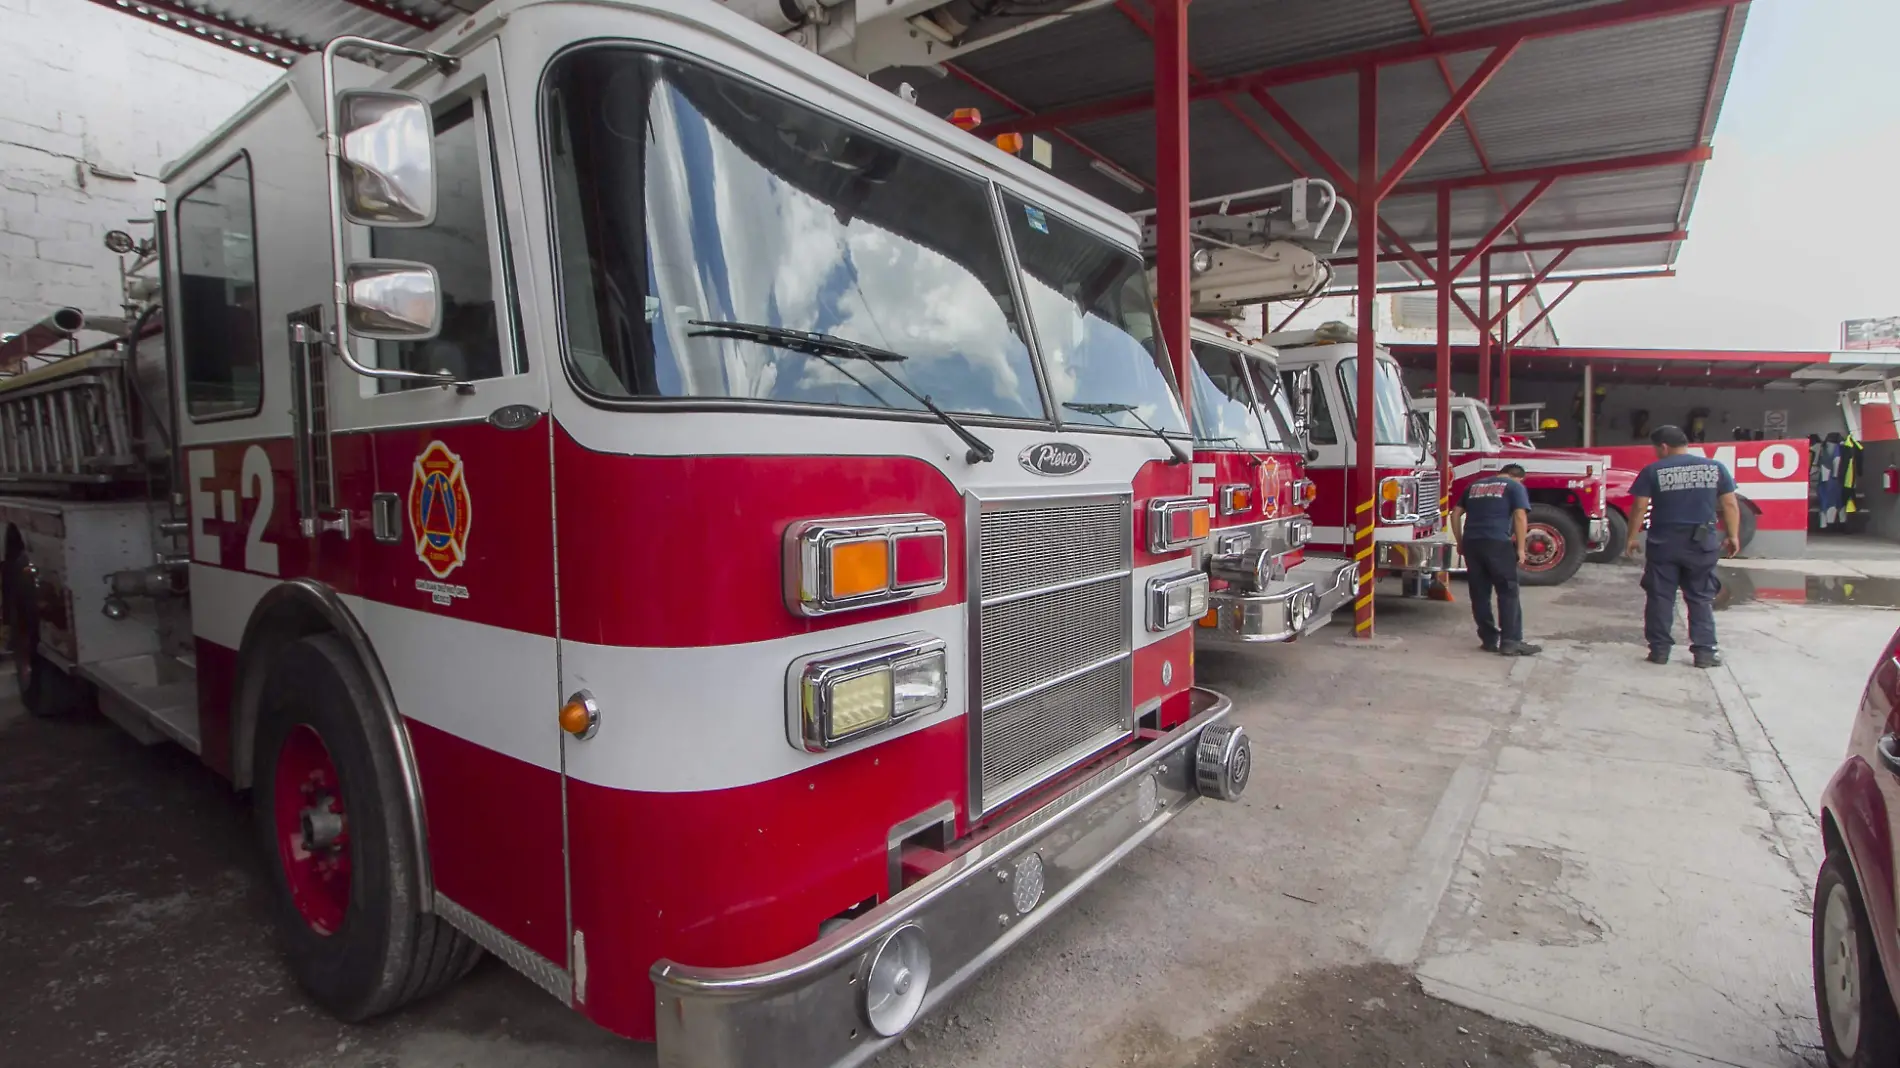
(1797, 223)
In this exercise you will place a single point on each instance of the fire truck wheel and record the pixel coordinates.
(1556, 548)
(1749, 523)
(326, 797)
(1619, 540)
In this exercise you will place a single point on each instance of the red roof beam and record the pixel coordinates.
(1608, 165)
(1601, 16)
(1543, 313)
(1447, 115)
(1733, 357)
(1347, 187)
(1659, 237)
(1428, 287)
(1580, 168)
(1406, 251)
(1146, 25)
(1501, 319)
(1510, 219)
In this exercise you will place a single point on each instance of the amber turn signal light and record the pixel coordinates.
(580, 716)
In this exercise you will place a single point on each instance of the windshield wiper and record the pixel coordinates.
(1103, 411)
(1252, 457)
(807, 343)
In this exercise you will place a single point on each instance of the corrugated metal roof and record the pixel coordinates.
(1639, 87)
(277, 30)
(1629, 89)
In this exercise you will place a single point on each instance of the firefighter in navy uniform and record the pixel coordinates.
(1684, 543)
(1490, 524)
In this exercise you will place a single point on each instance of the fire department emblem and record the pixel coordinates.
(439, 509)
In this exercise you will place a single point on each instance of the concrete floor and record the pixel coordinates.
(1582, 843)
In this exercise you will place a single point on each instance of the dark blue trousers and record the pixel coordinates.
(1492, 568)
(1676, 558)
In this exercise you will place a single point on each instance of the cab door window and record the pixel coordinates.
(218, 326)
(1461, 438)
(463, 245)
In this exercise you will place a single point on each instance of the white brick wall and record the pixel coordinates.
(85, 86)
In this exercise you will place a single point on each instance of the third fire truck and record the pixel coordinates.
(1320, 370)
(626, 494)
(1250, 462)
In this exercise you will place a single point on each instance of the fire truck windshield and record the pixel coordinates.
(1489, 439)
(1392, 422)
(682, 193)
(1224, 412)
(1276, 412)
(1094, 320)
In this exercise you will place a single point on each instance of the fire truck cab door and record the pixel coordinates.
(448, 494)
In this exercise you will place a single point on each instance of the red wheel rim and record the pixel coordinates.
(313, 834)
(1543, 547)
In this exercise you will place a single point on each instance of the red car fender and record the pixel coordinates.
(1853, 806)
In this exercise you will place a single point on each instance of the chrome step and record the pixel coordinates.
(153, 697)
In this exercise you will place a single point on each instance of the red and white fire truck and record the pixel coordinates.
(707, 532)
(1569, 494)
(1318, 368)
(1250, 462)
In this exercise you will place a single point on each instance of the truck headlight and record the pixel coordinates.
(1175, 599)
(843, 695)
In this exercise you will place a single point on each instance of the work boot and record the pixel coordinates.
(1519, 649)
(1659, 656)
(1487, 647)
(1708, 658)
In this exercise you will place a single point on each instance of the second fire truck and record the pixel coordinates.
(707, 532)
(1250, 463)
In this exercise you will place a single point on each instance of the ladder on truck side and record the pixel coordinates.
(66, 422)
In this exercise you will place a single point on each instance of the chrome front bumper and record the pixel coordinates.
(808, 1010)
(1599, 534)
(1416, 557)
(1287, 610)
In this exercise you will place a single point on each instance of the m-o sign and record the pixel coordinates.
(1772, 474)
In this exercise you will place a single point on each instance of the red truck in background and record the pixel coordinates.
(1250, 462)
(1568, 490)
(1782, 482)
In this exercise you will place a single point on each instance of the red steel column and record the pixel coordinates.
(1504, 345)
(1171, 184)
(1365, 482)
(1484, 329)
(1443, 377)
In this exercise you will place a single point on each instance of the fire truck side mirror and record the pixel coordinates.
(386, 158)
(393, 300)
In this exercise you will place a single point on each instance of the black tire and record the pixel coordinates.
(1847, 965)
(1619, 540)
(1558, 528)
(1749, 522)
(45, 690)
(386, 952)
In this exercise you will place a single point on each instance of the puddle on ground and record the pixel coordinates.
(1744, 585)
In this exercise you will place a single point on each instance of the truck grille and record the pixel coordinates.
(1053, 639)
(1428, 494)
